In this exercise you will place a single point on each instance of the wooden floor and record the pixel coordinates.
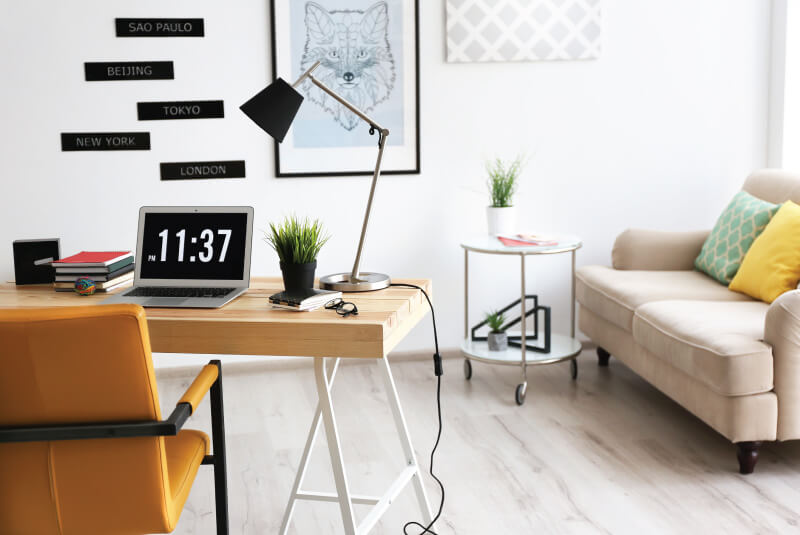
(605, 454)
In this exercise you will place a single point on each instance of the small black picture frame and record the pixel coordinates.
(32, 260)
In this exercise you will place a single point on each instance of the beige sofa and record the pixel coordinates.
(732, 361)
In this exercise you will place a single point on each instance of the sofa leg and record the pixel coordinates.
(747, 453)
(602, 356)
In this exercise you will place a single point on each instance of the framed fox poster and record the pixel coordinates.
(369, 54)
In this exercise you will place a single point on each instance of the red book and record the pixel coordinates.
(93, 259)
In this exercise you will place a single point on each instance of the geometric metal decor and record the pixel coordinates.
(522, 30)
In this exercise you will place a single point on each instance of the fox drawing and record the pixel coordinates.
(356, 60)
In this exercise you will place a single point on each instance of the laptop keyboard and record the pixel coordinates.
(161, 291)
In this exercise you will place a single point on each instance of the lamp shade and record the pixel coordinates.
(274, 108)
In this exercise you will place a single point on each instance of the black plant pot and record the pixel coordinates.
(298, 276)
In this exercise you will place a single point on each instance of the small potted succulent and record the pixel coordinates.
(502, 183)
(498, 339)
(298, 243)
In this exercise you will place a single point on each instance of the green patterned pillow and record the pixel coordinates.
(736, 229)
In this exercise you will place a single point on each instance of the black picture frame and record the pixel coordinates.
(32, 260)
(415, 168)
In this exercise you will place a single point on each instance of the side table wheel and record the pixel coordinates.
(573, 369)
(467, 369)
(520, 393)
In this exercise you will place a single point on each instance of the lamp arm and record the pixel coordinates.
(381, 145)
(382, 134)
(306, 74)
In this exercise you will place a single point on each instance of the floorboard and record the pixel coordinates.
(605, 454)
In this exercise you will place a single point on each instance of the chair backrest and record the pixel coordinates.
(774, 185)
(86, 364)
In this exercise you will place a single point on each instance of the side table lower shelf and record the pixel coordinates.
(562, 347)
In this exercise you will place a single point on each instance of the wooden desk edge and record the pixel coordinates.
(238, 336)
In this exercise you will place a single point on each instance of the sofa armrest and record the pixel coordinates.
(654, 250)
(782, 332)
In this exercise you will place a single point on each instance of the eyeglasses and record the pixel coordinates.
(343, 308)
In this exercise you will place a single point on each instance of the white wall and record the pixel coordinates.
(659, 132)
(786, 85)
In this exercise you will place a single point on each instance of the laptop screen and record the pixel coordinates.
(185, 245)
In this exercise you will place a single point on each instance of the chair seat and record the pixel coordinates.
(717, 343)
(615, 294)
(185, 453)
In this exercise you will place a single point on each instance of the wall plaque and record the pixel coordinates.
(160, 28)
(129, 70)
(185, 109)
(195, 170)
(105, 141)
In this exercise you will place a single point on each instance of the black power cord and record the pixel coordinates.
(437, 368)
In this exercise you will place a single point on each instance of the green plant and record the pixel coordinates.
(495, 320)
(297, 241)
(503, 180)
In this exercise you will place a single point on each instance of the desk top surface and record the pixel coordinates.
(250, 326)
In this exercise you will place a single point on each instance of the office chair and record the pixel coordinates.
(83, 449)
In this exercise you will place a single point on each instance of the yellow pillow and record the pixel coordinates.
(772, 265)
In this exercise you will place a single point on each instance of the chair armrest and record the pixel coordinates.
(163, 428)
(654, 250)
(782, 332)
(83, 431)
(200, 386)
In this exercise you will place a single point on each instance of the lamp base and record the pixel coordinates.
(366, 282)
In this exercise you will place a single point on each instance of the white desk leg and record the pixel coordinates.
(334, 447)
(301, 469)
(405, 439)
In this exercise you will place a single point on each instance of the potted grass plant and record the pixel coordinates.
(497, 338)
(298, 243)
(502, 183)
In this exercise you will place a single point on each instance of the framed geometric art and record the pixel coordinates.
(369, 54)
(522, 30)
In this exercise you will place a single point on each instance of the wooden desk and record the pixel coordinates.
(249, 326)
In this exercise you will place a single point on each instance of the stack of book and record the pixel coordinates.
(108, 269)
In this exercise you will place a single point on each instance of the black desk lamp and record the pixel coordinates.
(274, 109)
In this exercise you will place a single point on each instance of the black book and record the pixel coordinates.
(85, 270)
(303, 299)
(97, 277)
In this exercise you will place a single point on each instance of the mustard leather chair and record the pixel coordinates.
(83, 449)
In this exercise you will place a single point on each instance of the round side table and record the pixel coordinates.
(556, 347)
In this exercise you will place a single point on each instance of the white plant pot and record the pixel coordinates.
(501, 220)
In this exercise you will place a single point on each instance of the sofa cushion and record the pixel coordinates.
(739, 418)
(615, 294)
(772, 265)
(740, 223)
(717, 343)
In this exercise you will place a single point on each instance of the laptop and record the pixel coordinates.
(190, 256)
